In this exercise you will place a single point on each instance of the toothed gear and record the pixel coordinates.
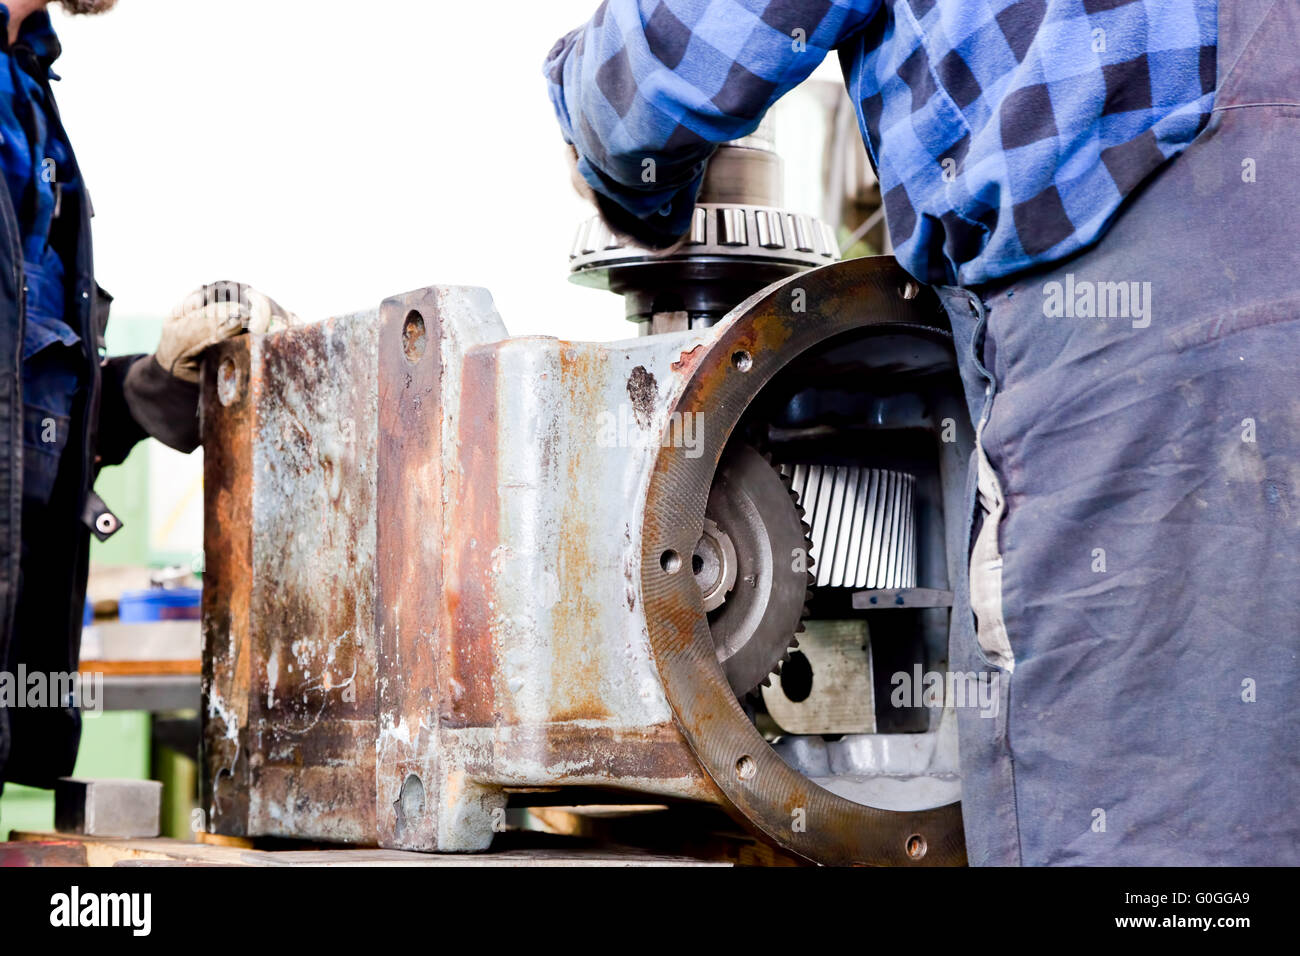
(757, 603)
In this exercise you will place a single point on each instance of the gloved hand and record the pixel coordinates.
(212, 314)
(626, 228)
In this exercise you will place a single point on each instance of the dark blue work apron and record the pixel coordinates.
(1135, 575)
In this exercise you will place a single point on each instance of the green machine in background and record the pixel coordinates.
(147, 537)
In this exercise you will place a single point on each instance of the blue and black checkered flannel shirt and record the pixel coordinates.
(1006, 133)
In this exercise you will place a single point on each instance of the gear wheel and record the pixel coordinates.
(752, 564)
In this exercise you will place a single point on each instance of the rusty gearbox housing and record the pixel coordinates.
(438, 572)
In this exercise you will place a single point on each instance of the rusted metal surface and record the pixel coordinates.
(427, 579)
(313, 713)
(512, 652)
(765, 335)
(289, 597)
(422, 575)
(474, 500)
(425, 801)
(227, 585)
(575, 428)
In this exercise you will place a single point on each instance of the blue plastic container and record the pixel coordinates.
(159, 604)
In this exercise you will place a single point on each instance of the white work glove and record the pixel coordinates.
(212, 314)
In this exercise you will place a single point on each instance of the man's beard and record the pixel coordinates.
(87, 6)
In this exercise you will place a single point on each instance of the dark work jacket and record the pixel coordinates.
(124, 400)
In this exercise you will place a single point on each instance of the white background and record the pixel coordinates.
(330, 153)
(334, 153)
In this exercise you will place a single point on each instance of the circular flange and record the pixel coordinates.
(760, 337)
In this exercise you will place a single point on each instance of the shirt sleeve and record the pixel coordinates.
(141, 400)
(647, 89)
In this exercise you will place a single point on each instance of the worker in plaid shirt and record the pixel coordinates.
(1005, 134)
(1101, 193)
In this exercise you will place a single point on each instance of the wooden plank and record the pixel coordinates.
(191, 668)
(48, 852)
(106, 851)
(98, 851)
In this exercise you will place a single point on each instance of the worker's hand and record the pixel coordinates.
(619, 222)
(212, 314)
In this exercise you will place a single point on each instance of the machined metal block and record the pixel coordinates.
(289, 423)
(107, 808)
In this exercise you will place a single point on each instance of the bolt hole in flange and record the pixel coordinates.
(916, 846)
(742, 360)
(413, 337)
(229, 382)
(670, 561)
(746, 768)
